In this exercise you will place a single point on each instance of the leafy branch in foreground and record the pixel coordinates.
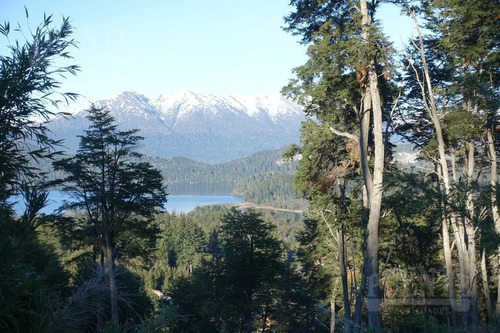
(29, 92)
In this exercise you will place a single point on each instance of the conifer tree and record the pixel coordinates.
(343, 84)
(252, 262)
(327, 172)
(116, 193)
(452, 85)
(247, 286)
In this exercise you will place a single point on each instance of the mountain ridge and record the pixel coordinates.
(205, 128)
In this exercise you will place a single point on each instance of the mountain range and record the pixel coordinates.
(205, 128)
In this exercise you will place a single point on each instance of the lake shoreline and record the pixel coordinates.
(250, 205)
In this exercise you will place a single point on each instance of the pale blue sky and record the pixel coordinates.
(216, 47)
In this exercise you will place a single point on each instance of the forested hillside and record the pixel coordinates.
(262, 178)
(183, 170)
(391, 238)
(275, 190)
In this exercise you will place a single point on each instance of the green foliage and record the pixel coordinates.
(288, 224)
(180, 245)
(34, 286)
(32, 283)
(330, 84)
(232, 270)
(250, 281)
(413, 219)
(326, 161)
(252, 254)
(313, 247)
(269, 189)
(47, 286)
(161, 321)
(116, 194)
(462, 126)
(183, 242)
(29, 83)
(463, 62)
(185, 171)
(428, 324)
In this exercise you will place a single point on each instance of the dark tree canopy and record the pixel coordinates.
(248, 286)
(29, 89)
(107, 180)
(116, 193)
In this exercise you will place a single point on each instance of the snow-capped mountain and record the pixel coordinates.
(202, 127)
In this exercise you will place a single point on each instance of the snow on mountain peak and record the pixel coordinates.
(184, 102)
(216, 127)
(171, 109)
(275, 106)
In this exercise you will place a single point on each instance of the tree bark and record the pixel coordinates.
(448, 262)
(110, 267)
(430, 105)
(360, 299)
(470, 240)
(375, 191)
(332, 314)
(345, 283)
(364, 129)
(486, 290)
(494, 203)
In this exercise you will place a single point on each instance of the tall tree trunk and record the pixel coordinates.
(449, 271)
(374, 318)
(345, 283)
(110, 267)
(375, 191)
(459, 235)
(360, 298)
(332, 314)
(364, 129)
(430, 104)
(470, 240)
(448, 262)
(486, 290)
(494, 203)
(364, 125)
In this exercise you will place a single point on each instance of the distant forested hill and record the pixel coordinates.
(275, 190)
(180, 170)
(261, 178)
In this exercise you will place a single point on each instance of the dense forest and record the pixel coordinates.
(181, 170)
(270, 189)
(261, 178)
(186, 171)
(380, 246)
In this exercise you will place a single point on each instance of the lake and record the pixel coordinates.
(186, 203)
(180, 202)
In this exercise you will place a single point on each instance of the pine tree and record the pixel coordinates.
(252, 262)
(247, 285)
(344, 85)
(327, 173)
(116, 193)
(453, 85)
